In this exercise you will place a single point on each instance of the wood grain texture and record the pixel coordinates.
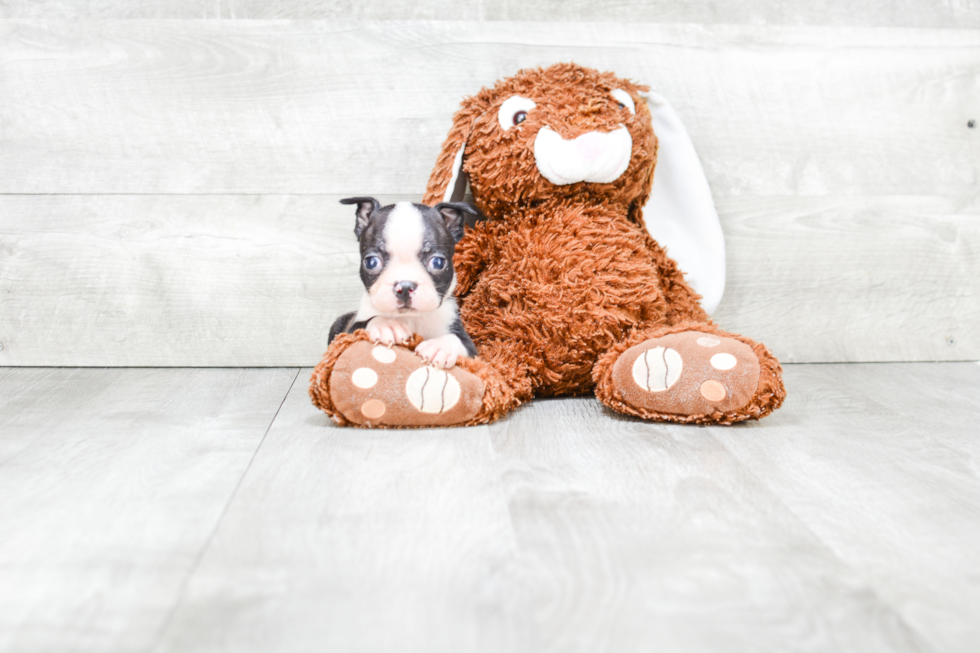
(840, 160)
(632, 533)
(359, 106)
(881, 463)
(111, 482)
(880, 13)
(355, 540)
(854, 279)
(581, 530)
(846, 521)
(182, 280)
(257, 280)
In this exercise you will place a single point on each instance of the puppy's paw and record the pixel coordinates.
(442, 352)
(388, 332)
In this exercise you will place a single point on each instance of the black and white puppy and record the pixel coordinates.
(407, 270)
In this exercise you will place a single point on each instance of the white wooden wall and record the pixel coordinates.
(169, 186)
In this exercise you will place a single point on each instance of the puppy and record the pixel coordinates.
(407, 270)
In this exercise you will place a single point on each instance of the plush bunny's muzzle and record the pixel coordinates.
(597, 157)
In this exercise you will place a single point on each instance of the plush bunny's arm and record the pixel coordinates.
(470, 259)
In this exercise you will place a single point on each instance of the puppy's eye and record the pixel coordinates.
(437, 263)
(624, 100)
(372, 262)
(514, 111)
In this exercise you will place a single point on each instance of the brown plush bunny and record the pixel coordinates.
(561, 287)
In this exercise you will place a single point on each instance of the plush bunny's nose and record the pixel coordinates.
(599, 157)
(590, 146)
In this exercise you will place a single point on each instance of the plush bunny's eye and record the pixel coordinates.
(624, 100)
(514, 111)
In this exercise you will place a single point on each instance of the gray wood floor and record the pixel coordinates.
(216, 509)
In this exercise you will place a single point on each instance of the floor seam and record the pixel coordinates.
(182, 590)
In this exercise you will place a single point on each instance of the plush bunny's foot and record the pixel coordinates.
(688, 373)
(693, 376)
(376, 385)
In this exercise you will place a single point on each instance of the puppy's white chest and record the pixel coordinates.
(434, 323)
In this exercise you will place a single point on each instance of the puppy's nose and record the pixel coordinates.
(403, 291)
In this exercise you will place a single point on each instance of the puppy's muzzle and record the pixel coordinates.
(403, 293)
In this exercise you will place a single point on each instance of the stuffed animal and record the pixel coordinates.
(561, 287)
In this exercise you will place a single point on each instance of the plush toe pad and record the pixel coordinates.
(688, 373)
(374, 385)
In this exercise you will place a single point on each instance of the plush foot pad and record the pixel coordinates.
(375, 385)
(687, 373)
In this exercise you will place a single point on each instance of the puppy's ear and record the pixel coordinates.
(454, 213)
(447, 183)
(365, 207)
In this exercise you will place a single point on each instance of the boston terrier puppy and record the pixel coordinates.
(407, 270)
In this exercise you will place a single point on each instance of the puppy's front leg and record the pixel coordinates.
(388, 332)
(442, 351)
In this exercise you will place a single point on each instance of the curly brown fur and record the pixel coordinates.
(572, 100)
(561, 276)
(560, 280)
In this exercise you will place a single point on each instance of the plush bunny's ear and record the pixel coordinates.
(680, 214)
(365, 207)
(447, 183)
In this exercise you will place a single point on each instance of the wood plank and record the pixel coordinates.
(112, 482)
(854, 279)
(880, 462)
(879, 13)
(361, 106)
(257, 280)
(845, 521)
(354, 540)
(182, 280)
(848, 520)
